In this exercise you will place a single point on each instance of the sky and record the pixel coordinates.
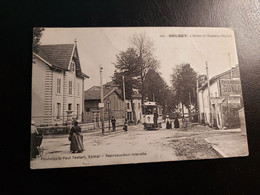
(171, 46)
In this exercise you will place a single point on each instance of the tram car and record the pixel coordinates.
(151, 111)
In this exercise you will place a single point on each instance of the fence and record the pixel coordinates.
(64, 125)
(94, 115)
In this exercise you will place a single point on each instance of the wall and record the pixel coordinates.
(38, 90)
(138, 111)
(116, 107)
(76, 97)
(57, 97)
(204, 99)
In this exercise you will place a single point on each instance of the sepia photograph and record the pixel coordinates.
(109, 96)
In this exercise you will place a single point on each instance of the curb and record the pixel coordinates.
(217, 149)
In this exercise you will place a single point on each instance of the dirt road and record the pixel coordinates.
(135, 146)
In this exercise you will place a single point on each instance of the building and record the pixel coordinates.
(221, 108)
(113, 103)
(57, 85)
(137, 106)
(136, 103)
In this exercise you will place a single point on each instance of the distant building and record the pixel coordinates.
(57, 84)
(113, 103)
(221, 109)
(137, 107)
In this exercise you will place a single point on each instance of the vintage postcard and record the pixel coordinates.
(108, 96)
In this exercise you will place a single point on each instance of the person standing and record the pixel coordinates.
(76, 139)
(125, 125)
(176, 123)
(34, 133)
(155, 117)
(113, 121)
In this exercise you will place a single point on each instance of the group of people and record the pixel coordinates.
(76, 139)
(176, 123)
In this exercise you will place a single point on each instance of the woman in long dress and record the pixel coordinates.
(176, 123)
(76, 139)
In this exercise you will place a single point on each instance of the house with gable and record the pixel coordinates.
(113, 103)
(57, 85)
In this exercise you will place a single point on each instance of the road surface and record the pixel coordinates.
(134, 146)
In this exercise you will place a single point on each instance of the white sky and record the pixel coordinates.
(99, 46)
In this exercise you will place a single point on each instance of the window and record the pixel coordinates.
(128, 106)
(70, 87)
(58, 85)
(69, 106)
(216, 94)
(73, 66)
(139, 106)
(58, 110)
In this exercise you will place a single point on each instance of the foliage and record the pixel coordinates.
(37, 34)
(127, 67)
(202, 79)
(156, 89)
(184, 80)
(146, 61)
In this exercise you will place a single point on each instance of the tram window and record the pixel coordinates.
(148, 111)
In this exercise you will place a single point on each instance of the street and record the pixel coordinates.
(138, 145)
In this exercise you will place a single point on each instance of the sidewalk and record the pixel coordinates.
(231, 145)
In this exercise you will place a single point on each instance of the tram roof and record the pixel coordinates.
(150, 104)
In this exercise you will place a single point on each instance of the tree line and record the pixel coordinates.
(139, 67)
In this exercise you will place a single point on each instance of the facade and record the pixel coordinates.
(137, 106)
(113, 104)
(57, 85)
(221, 108)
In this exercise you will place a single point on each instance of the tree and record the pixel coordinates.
(144, 49)
(202, 79)
(37, 34)
(184, 80)
(156, 89)
(126, 65)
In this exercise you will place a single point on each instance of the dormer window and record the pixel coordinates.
(72, 66)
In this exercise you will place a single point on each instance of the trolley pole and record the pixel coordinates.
(101, 101)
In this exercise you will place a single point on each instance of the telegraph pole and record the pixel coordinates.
(101, 106)
(123, 79)
(189, 107)
(210, 111)
(198, 101)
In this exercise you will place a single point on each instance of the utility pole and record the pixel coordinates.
(198, 101)
(101, 107)
(210, 111)
(189, 107)
(123, 79)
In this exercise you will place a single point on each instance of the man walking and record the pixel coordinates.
(113, 121)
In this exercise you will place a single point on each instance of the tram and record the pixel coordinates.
(151, 111)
